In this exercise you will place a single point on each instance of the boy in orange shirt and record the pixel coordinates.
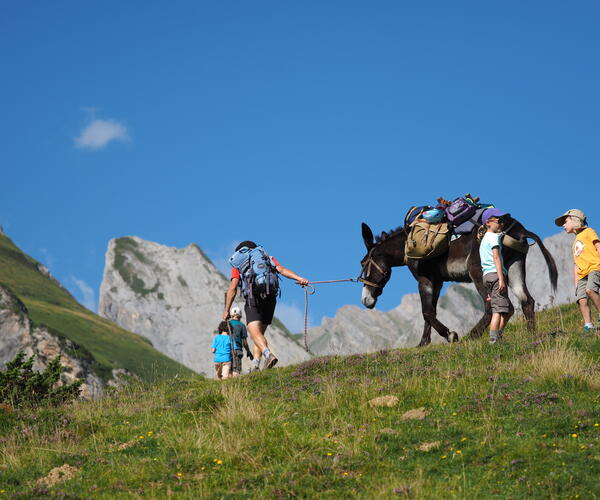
(586, 253)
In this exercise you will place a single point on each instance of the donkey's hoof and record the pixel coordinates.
(453, 337)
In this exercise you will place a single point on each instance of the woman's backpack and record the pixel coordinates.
(258, 276)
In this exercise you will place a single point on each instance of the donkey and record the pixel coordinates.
(460, 263)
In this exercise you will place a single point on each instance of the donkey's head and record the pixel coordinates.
(375, 269)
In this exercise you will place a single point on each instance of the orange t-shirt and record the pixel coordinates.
(236, 274)
(585, 253)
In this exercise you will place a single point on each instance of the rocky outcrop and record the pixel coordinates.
(173, 297)
(355, 329)
(17, 333)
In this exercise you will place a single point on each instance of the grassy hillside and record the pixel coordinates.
(51, 305)
(516, 420)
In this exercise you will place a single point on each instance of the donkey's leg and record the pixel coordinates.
(427, 291)
(518, 285)
(482, 324)
(426, 337)
(437, 288)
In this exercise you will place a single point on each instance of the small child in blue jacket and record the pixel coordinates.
(221, 347)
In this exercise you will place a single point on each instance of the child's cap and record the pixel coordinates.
(573, 212)
(492, 212)
(235, 311)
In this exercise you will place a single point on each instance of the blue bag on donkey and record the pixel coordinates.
(258, 275)
(414, 213)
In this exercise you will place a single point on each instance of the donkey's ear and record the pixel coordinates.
(367, 235)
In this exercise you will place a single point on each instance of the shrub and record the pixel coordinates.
(20, 385)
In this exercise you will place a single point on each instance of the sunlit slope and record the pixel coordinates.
(49, 304)
(469, 420)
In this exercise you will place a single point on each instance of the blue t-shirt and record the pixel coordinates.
(238, 329)
(488, 243)
(222, 346)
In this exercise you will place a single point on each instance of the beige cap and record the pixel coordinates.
(574, 212)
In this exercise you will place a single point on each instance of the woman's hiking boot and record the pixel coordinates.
(270, 361)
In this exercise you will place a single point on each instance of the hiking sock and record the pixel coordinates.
(266, 353)
(494, 336)
(500, 334)
(256, 363)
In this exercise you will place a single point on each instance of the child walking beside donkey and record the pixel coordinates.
(494, 272)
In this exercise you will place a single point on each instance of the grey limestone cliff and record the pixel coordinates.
(355, 329)
(17, 333)
(174, 297)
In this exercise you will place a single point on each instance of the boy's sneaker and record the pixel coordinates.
(588, 329)
(270, 361)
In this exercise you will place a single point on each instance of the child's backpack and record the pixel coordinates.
(258, 275)
(459, 211)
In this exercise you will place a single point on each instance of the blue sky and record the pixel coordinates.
(288, 123)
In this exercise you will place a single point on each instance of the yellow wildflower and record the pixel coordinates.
(454, 414)
(179, 474)
(329, 454)
(219, 462)
(464, 439)
(573, 435)
(458, 452)
(443, 457)
(141, 437)
(150, 433)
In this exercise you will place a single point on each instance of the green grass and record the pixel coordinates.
(50, 305)
(516, 420)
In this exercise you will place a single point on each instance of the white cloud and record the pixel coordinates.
(292, 316)
(85, 294)
(100, 132)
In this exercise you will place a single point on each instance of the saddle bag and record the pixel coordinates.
(459, 211)
(426, 240)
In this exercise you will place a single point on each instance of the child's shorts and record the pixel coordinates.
(236, 362)
(500, 301)
(590, 282)
(222, 369)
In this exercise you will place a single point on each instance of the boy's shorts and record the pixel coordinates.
(500, 301)
(236, 365)
(590, 282)
(222, 369)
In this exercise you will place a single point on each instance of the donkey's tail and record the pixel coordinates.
(547, 257)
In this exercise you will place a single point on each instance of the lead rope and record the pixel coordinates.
(309, 289)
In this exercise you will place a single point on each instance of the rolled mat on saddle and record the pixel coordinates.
(430, 229)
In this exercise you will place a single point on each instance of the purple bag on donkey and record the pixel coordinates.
(459, 211)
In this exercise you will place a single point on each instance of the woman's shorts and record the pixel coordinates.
(261, 310)
(500, 301)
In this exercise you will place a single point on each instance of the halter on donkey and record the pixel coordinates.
(461, 264)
